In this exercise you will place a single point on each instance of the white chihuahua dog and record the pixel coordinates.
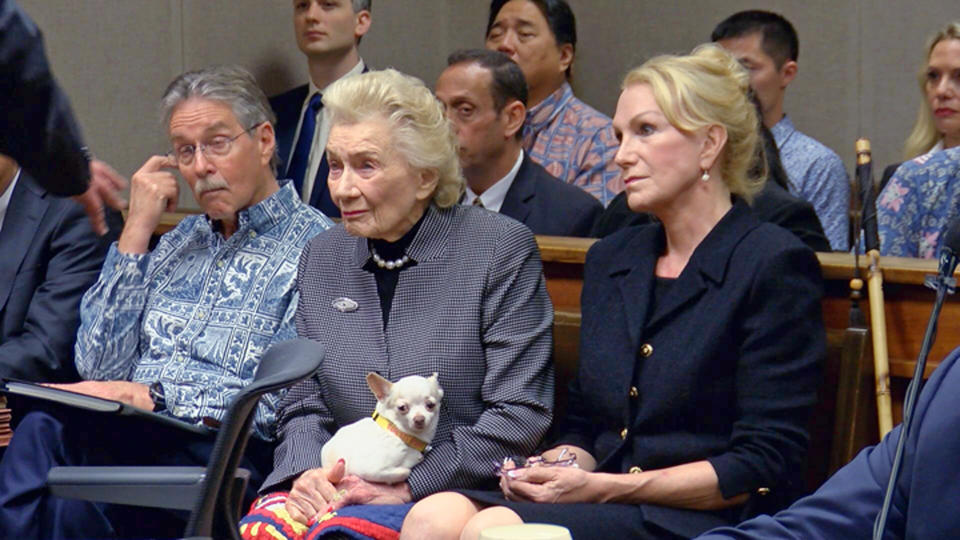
(384, 448)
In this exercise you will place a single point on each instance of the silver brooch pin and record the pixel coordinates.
(345, 305)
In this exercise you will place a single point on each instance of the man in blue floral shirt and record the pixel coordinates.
(179, 329)
(767, 46)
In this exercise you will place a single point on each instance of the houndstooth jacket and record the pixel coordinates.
(474, 309)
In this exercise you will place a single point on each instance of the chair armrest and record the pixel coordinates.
(157, 487)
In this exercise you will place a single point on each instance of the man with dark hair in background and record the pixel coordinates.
(328, 33)
(571, 140)
(767, 46)
(485, 96)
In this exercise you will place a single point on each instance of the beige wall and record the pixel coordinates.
(858, 58)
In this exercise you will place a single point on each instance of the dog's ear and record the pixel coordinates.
(378, 385)
(435, 383)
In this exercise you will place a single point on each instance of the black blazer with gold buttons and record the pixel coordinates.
(726, 364)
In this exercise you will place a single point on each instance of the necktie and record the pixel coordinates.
(301, 153)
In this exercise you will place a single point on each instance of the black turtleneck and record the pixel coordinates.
(387, 279)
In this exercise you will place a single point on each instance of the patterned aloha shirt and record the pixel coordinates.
(575, 143)
(918, 203)
(816, 175)
(198, 311)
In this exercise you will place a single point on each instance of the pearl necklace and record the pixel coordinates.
(389, 265)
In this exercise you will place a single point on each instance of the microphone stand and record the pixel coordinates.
(944, 284)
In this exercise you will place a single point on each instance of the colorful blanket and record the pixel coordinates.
(269, 520)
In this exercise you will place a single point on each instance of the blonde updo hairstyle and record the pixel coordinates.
(419, 129)
(705, 88)
(924, 135)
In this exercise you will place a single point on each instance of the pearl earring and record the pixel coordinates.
(705, 177)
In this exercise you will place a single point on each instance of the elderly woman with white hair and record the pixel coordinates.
(701, 342)
(411, 283)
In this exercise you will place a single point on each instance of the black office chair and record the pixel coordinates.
(213, 494)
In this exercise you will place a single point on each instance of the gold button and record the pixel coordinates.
(623, 433)
(635, 470)
(646, 350)
(763, 491)
(634, 392)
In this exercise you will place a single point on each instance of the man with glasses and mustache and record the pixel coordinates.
(179, 329)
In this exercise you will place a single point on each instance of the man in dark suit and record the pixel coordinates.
(485, 96)
(37, 127)
(50, 258)
(328, 33)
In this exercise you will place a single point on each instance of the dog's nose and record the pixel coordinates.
(419, 421)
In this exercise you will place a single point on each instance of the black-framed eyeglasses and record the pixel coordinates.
(216, 147)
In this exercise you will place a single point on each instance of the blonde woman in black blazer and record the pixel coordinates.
(701, 342)
(411, 283)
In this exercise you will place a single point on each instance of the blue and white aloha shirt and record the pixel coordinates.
(817, 175)
(198, 311)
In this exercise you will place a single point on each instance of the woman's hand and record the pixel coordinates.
(691, 485)
(550, 485)
(314, 492)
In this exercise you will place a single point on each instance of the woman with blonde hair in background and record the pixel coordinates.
(938, 120)
(919, 197)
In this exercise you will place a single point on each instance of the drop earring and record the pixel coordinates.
(705, 176)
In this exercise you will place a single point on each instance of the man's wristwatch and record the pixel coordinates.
(159, 400)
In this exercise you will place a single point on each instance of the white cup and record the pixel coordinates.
(526, 531)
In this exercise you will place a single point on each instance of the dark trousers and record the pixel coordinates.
(43, 440)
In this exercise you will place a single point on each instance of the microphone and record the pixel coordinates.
(944, 283)
(949, 257)
(868, 206)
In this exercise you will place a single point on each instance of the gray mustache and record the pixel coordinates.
(204, 185)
